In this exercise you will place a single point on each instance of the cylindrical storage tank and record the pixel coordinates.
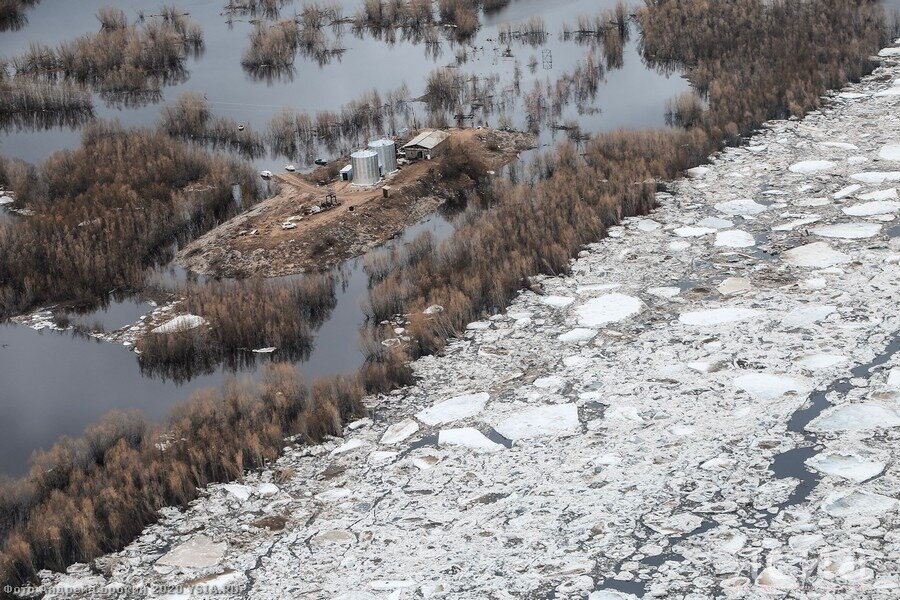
(365, 167)
(387, 154)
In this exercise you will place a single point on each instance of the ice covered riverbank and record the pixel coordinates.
(708, 406)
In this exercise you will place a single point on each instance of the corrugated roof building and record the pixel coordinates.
(427, 145)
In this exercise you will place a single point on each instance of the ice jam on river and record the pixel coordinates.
(708, 406)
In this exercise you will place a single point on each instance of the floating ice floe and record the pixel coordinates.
(734, 285)
(740, 207)
(267, 490)
(677, 524)
(647, 225)
(540, 421)
(857, 503)
(697, 172)
(399, 432)
(807, 315)
(871, 209)
(846, 192)
(821, 361)
(607, 309)
(821, 201)
(893, 91)
(888, 194)
(579, 334)
(717, 316)
(848, 466)
(734, 238)
(889, 52)
(4, 200)
(557, 301)
(693, 231)
(766, 386)
(806, 167)
(852, 95)
(467, 437)
(848, 231)
(856, 417)
(350, 446)
(664, 292)
(792, 225)
(199, 552)
(597, 287)
(890, 152)
(611, 595)
(840, 145)
(876, 177)
(733, 541)
(241, 492)
(551, 382)
(182, 323)
(818, 255)
(454, 409)
(771, 577)
(715, 223)
(266, 350)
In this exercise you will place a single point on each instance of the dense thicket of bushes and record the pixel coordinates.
(243, 316)
(93, 495)
(12, 13)
(107, 210)
(121, 57)
(190, 118)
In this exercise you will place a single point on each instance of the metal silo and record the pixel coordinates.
(365, 167)
(387, 154)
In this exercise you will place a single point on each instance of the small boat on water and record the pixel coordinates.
(265, 174)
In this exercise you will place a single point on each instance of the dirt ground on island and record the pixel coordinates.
(295, 231)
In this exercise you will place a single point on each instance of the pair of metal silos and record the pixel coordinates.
(380, 158)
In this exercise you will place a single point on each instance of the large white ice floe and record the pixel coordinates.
(199, 552)
(540, 421)
(848, 466)
(717, 316)
(734, 285)
(792, 225)
(768, 386)
(806, 167)
(857, 503)
(817, 255)
(677, 524)
(871, 209)
(734, 238)
(890, 152)
(399, 432)
(454, 409)
(181, 323)
(557, 301)
(846, 192)
(607, 309)
(772, 578)
(715, 223)
(821, 361)
(805, 316)
(467, 437)
(888, 194)
(239, 491)
(740, 207)
(579, 334)
(856, 417)
(848, 231)
(349, 446)
(691, 231)
(4, 200)
(876, 177)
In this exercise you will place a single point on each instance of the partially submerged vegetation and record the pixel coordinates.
(100, 222)
(190, 118)
(42, 105)
(124, 61)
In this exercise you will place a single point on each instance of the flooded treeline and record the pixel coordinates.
(105, 212)
(749, 61)
(13, 13)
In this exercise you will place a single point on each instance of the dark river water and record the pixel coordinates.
(54, 384)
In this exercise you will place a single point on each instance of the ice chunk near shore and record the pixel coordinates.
(876, 177)
(740, 207)
(182, 323)
(664, 292)
(807, 167)
(715, 223)
(889, 52)
(766, 386)
(848, 231)
(454, 409)
(734, 285)
(557, 301)
(399, 432)
(847, 466)
(734, 238)
(807, 315)
(4, 200)
(547, 420)
(840, 145)
(856, 417)
(266, 350)
(693, 231)
(888, 194)
(857, 503)
(717, 316)
(241, 492)
(890, 152)
(792, 225)
(847, 191)
(606, 309)
(199, 552)
(579, 334)
(771, 577)
(817, 255)
(697, 172)
(467, 437)
(871, 209)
